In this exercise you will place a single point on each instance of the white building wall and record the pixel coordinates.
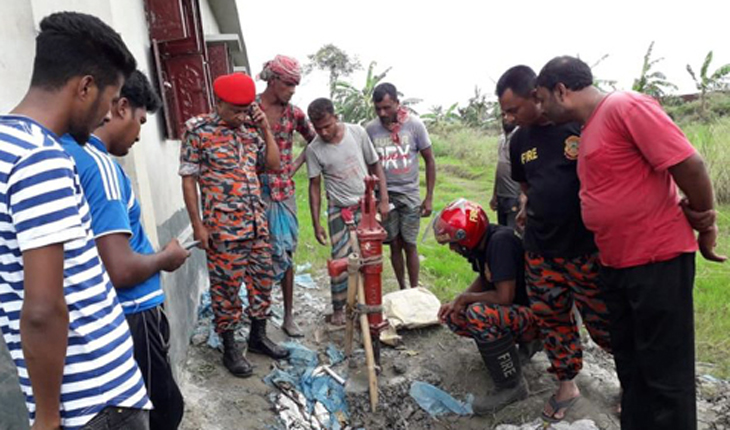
(152, 164)
(17, 44)
(210, 25)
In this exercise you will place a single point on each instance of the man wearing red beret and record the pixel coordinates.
(219, 154)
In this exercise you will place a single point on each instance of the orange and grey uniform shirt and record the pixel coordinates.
(225, 160)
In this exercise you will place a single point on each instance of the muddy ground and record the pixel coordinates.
(215, 400)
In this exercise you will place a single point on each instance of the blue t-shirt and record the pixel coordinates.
(42, 204)
(115, 209)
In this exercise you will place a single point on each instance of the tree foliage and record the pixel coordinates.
(706, 82)
(480, 112)
(334, 61)
(355, 105)
(439, 117)
(653, 83)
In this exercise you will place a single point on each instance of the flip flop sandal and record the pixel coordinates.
(295, 334)
(557, 406)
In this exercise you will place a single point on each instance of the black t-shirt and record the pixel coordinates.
(502, 259)
(545, 157)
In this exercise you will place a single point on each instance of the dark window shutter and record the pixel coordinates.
(219, 60)
(193, 43)
(166, 20)
(188, 77)
(183, 75)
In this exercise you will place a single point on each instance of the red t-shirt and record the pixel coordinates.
(628, 198)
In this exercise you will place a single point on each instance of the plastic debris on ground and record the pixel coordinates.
(305, 281)
(538, 424)
(276, 314)
(710, 378)
(437, 402)
(335, 355)
(291, 407)
(390, 337)
(301, 268)
(309, 396)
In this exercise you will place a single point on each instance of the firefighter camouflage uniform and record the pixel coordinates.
(554, 285)
(500, 259)
(488, 322)
(225, 161)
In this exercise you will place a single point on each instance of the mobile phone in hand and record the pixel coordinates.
(190, 245)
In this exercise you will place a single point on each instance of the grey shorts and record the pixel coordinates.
(403, 220)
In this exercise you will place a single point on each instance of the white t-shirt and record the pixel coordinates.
(343, 165)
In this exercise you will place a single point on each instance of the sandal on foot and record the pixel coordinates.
(557, 406)
(295, 332)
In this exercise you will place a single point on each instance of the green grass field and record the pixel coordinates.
(466, 161)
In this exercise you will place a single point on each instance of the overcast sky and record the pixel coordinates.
(439, 51)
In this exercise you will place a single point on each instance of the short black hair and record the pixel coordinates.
(569, 71)
(384, 89)
(519, 79)
(75, 44)
(138, 90)
(319, 109)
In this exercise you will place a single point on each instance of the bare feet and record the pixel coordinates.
(291, 328)
(567, 390)
(337, 318)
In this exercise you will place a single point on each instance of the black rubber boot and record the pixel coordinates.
(259, 343)
(233, 359)
(503, 364)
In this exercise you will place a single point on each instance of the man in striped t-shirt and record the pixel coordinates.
(59, 314)
(133, 265)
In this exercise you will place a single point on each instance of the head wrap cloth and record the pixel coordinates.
(282, 67)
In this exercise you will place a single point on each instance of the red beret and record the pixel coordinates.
(236, 88)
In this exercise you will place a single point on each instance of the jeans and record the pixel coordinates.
(114, 418)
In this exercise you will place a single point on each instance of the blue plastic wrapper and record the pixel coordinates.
(305, 281)
(437, 402)
(335, 355)
(320, 388)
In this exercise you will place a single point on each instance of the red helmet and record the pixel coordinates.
(462, 222)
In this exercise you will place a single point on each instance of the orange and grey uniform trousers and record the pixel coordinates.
(554, 285)
(230, 264)
(488, 322)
